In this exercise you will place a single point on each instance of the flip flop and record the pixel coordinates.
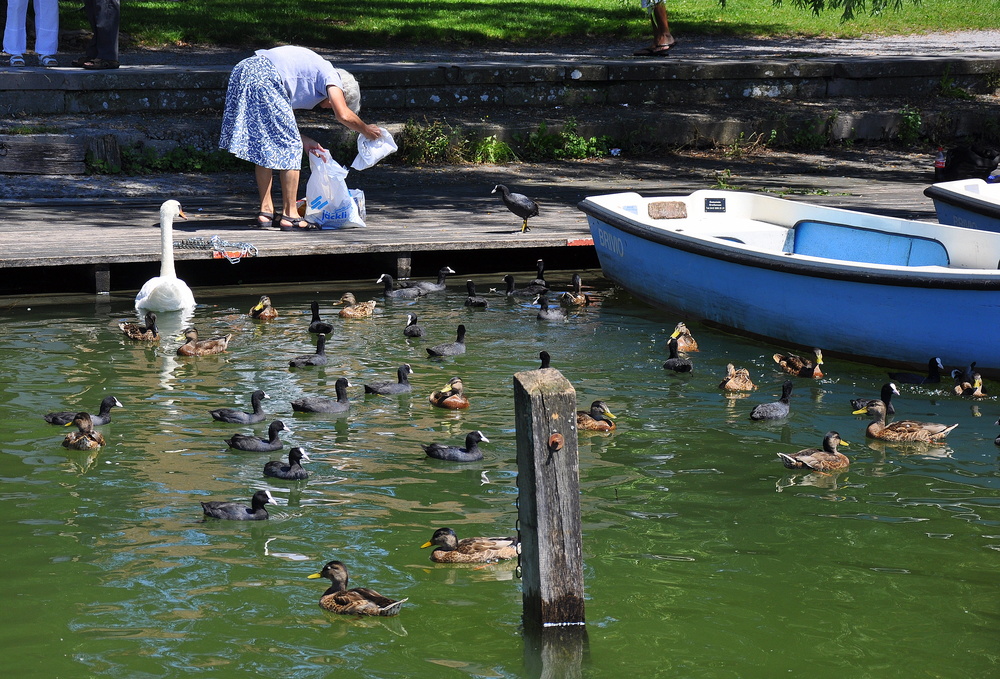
(655, 50)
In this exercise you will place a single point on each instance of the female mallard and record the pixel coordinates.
(234, 416)
(888, 390)
(933, 376)
(263, 310)
(357, 601)
(449, 549)
(470, 453)
(737, 380)
(355, 309)
(400, 386)
(901, 430)
(292, 471)
(598, 418)
(801, 367)
(412, 329)
(234, 511)
(685, 341)
(317, 325)
(451, 395)
(450, 348)
(254, 444)
(776, 409)
(142, 333)
(577, 296)
(826, 460)
(85, 438)
(319, 358)
(196, 347)
(675, 363)
(103, 415)
(322, 404)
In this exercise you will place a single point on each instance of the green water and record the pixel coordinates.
(704, 557)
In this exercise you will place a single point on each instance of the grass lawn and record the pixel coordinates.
(465, 22)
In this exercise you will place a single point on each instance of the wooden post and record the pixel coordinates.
(102, 279)
(548, 479)
(404, 264)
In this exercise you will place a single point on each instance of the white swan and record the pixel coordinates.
(166, 292)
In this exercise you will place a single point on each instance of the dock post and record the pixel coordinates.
(404, 264)
(102, 279)
(548, 479)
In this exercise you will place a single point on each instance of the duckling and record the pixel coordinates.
(451, 395)
(412, 329)
(598, 418)
(263, 310)
(354, 308)
(357, 601)
(318, 326)
(103, 415)
(549, 313)
(401, 293)
(685, 341)
(680, 365)
(292, 471)
(142, 333)
(737, 380)
(319, 358)
(322, 404)
(473, 299)
(400, 386)
(775, 410)
(234, 416)
(826, 460)
(577, 296)
(933, 376)
(428, 286)
(85, 438)
(901, 430)
(470, 453)
(529, 291)
(801, 367)
(888, 390)
(253, 444)
(449, 549)
(196, 347)
(450, 348)
(234, 511)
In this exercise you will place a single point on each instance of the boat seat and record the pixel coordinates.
(854, 244)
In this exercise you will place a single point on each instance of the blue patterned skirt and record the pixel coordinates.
(258, 123)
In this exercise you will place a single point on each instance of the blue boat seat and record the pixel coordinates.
(854, 244)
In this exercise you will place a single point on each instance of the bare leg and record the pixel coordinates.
(289, 192)
(264, 177)
(661, 28)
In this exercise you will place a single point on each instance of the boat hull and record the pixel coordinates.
(969, 203)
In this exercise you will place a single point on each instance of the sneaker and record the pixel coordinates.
(47, 60)
(17, 60)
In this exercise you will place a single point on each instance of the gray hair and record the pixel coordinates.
(352, 93)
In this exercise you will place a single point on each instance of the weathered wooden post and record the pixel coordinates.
(548, 480)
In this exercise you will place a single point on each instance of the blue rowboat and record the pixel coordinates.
(860, 285)
(970, 203)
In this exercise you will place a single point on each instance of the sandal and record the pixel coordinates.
(294, 224)
(17, 60)
(81, 62)
(47, 60)
(264, 219)
(655, 50)
(98, 64)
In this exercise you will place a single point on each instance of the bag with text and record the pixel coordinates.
(329, 203)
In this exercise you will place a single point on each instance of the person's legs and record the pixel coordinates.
(264, 177)
(289, 180)
(661, 28)
(46, 27)
(14, 34)
(106, 20)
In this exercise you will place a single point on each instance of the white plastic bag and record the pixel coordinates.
(329, 203)
(370, 151)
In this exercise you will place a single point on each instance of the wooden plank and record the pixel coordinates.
(42, 154)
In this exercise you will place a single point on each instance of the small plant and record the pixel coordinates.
(722, 178)
(951, 89)
(492, 151)
(30, 129)
(433, 143)
(540, 144)
(545, 145)
(909, 125)
(140, 160)
(808, 139)
(744, 146)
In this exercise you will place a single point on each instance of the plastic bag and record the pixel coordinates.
(329, 203)
(370, 151)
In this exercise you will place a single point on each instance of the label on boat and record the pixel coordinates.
(715, 205)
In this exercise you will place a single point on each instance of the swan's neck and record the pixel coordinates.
(167, 247)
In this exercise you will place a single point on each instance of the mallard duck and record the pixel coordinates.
(400, 386)
(685, 341)
(888, 390)
(196, 347)
(322, 404)
(254, 444)
(319, 358)
(737, 380)
(577, 296)
(428, 286)
(412, 329)
(547, 312)
(103, 415)
(598, 418)
(401, 293)
(85, 438)
(801, 367)
(933, 376)
(470, 453)
(355, 309)
(529, 291)
(901, 430)
(825, 460)
(234, 416)
(166, 292)
(450, 348)
(518, 203)
(141, 333)
(775, 410)
(234, 511)
(451, 395)
(449, 549)
(974, 390)
(473, 299)
(263, 310)
(675, 363)
(318, 326)
(357, 601)
(290, 471)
